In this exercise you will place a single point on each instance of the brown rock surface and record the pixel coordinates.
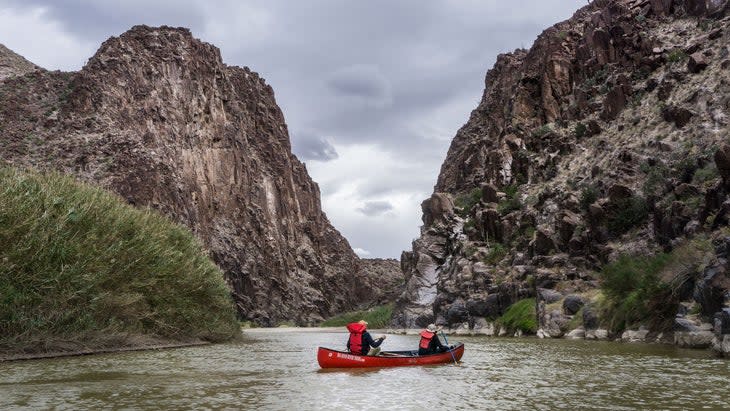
(157, 117)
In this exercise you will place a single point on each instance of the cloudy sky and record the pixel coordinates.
(372, 91)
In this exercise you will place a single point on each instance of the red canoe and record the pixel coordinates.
(341, 359)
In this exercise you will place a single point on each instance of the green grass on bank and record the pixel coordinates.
(78, 265)
(641, 289)
(632, 286)
(521, 315)
(377, 317)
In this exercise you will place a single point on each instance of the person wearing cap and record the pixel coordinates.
(360, 341)
(430, 343)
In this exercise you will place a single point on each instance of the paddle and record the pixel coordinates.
(450, 350)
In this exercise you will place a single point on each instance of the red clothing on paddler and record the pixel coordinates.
(360, 340)
(430, 343)
(426, 337)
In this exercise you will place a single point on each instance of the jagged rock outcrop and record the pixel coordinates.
(606, 138)
(156, 116)
(383, 277)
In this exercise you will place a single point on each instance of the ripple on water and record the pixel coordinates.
(278, 370)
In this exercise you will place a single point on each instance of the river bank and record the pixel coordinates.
(703, 338)
(92, 351)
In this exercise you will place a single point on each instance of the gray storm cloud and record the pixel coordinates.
(309, 147)
(374, 208)
(362, 82)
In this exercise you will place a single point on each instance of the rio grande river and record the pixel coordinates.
(277, 369)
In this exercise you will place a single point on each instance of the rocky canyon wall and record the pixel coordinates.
(607, 138)
(157, 117)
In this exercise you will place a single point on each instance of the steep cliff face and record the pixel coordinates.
(603, 139)
(158, 118)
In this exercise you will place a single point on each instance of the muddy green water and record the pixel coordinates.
(277, 369)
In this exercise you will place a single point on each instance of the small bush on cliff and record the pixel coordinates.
(466, 202)
(521, 315)
(627, 214)
(632, 287)
(676, 56)
(79, 266)
(706, 175)
(511, 202)
(496, 253)
(541, 131)
(580, 130)
(655, 180)
(377, 317)
(588, 196)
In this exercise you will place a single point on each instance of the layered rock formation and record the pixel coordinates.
(604, 139)
(157, 117)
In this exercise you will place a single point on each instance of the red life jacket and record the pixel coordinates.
(426, 337)
(356, 330)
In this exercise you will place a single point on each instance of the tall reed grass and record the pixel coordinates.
(79, 265)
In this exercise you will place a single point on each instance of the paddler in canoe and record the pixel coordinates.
(430, 343)
(363, 351)
(360, 341)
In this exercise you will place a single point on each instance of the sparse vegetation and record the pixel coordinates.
(580, 130)
(636, 98)
(599, 77)
(511, 202)
(466, 202)
(706, 174)
(627, 214)
(521, 315)
(588, 196)
(676, 56)
(640, 289)
(541, 131)
(631, 285)
(655, 180)
(377, 317)
(497, 252)
(80, 266)
(577, 320)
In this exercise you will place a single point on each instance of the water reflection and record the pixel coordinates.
(275, 369)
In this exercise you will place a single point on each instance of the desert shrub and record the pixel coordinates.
(580, 130)
(627, 214)
(466, 202)
(632, 287)
(686, 167)
(521, 315)
(511, 201)
(655, 180)
(676, 56)
(78, 264)
(588, 196)
(377, 317)
(496, 253)
(706, 174)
